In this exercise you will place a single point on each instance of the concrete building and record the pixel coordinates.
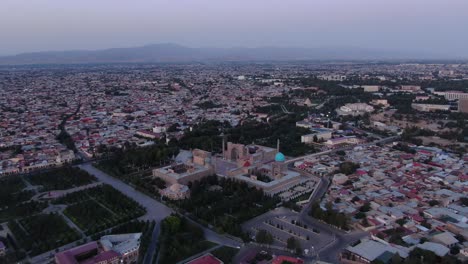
(410, 88)
(333, 142)
(368, 251)
(332, 77)
(340, 178)
(370, 88)
(194, 166)
(320, 134)
(176, 192)
(463, 105)
(89, 253)
(126, 245)
(437, 248)
(453, 95)
(261, 167)
(206, 259)
(430, 107)
(111, 249)
(354, 109)
(446, 238)
(383, 102)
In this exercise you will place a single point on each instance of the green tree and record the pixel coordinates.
(291, 243)
(173, 223)
(348, 167)
(401, 221)
(365, 207)
(264, 237)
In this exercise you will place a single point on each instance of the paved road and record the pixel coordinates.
(155, 210)
(154, 242)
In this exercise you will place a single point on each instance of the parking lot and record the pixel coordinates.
(283, 223)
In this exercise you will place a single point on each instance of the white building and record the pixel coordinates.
(320, 134)
(332, 77)
(127, 245)
(430, 107)
(355, 109)
(370, 88)
(453, 95)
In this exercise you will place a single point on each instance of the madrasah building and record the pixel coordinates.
(259, 166)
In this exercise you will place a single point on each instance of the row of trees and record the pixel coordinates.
(22, 210)
(90, 216)
(11, 191)
(329, 216)
(180, 239)
(227, 208)
(206, 135)
(132, 158)
(43, 232)
(90, 208)
(63, 137)
(264, 237)
(61, 178)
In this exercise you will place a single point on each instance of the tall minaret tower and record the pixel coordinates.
(277, 145)
(223, 146)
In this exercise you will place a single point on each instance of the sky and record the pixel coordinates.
(435, 26)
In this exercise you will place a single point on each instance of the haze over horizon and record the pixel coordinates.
(434, 27)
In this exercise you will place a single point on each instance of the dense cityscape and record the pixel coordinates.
(284, 162)
(234, 132)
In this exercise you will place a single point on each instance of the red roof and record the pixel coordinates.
(247, 164)
(417, 217)
(424, 151)
(436, 164)
(206, 259)
(281, 259)
(361, 172)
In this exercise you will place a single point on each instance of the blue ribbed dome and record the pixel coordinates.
(280, 157)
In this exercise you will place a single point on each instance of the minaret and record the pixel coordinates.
(277, 145)
(224, 157)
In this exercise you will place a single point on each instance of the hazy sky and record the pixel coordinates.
(439, 26)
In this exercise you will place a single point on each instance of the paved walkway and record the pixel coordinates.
(154, 209)
(59, 193)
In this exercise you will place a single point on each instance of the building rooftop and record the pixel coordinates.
(206, 259)
(121, 243)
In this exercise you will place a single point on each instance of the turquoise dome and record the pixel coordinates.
(280, 157)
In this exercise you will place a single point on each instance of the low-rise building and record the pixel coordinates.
(111, 249)
(430, 107)
(206, 259)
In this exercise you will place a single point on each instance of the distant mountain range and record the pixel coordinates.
(158, 53)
